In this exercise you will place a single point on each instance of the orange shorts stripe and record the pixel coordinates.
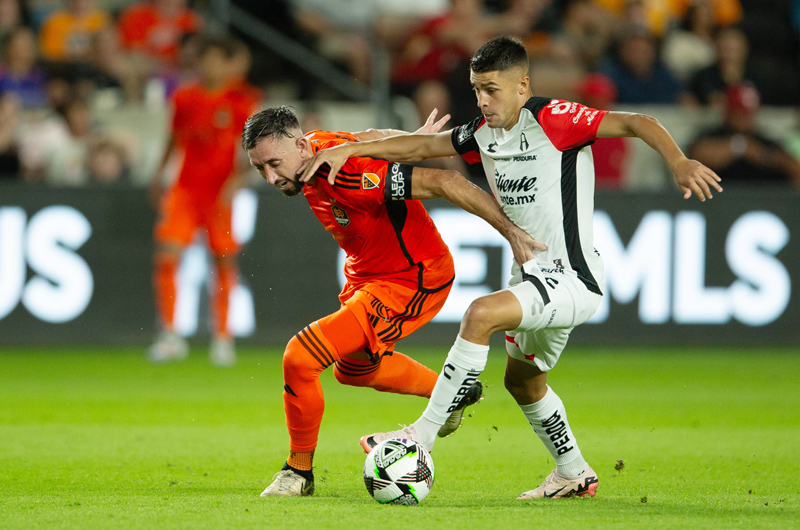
(388, 312)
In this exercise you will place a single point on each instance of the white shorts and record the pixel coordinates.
(553, 303)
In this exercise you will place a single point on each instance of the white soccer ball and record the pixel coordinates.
(398, 471)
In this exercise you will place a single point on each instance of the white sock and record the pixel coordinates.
(461, 369)
(549, 420)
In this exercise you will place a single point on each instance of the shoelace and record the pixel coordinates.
(285, 479)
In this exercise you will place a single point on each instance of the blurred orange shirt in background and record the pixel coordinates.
(144, 28)
(66, 37)
(207, 126)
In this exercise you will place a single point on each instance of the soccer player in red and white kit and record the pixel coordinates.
(536, 155)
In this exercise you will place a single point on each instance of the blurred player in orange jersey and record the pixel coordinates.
(208, 118)
(398, 269)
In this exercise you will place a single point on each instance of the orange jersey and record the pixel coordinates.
(143, 28)
(387, 236)
(207, 127)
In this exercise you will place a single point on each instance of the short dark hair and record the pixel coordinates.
(269, 123)
(499, 54)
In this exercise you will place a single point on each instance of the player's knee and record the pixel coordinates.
(297, 362)
(480, 316)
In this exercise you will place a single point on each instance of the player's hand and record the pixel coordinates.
(523, 245)
(693, 177)
(431, 125)
(335, 157)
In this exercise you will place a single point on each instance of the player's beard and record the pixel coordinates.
(295, 189)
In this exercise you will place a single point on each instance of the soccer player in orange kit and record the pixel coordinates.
(207, 122)
(398, 269)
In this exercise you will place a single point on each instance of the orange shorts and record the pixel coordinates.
(182, 214)
(388, 312)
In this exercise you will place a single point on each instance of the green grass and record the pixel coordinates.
(92, 438)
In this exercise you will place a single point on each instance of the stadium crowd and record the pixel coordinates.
(63, 62)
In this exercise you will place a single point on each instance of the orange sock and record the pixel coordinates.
(301, 461)
(309, 353)
(227, 274)
(394, 372)
(166, 265)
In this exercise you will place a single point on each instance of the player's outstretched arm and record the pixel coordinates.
(427, 183)
(690, 175)
(402, 148)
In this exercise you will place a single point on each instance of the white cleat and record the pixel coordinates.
(222, 352)
(556, 486)
(287, 483)
(406, 433)
(168, 347)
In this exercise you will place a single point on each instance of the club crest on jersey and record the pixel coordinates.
(340, 215)
(369, 181)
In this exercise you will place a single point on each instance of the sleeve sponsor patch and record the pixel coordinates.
(398, 182)
(370, 181)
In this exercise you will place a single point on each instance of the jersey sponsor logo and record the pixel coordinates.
(370, 181)
(510, 190)
(398, 184)
(523, 142)
(341, 216)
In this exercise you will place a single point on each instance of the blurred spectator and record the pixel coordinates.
(708, 85)
(395, 21)
(19, 75)
(9, 122)
(638, 74)
(435, 50)
(691, 47)
(792, 142)
(737, 152)
(611, 155)
(156, 28)
(66, 35)
(653, 15)
(108, 163)
(13, 15)
(341, 29)
(67, 161)
(586, 31)
(725, 12)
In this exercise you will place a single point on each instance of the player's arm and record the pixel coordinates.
(431, 126)
(157, 181)
(427, 183)
(690, 175)
(401, 148)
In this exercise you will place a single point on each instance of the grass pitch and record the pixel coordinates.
(98, 439)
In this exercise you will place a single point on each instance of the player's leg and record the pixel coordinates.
(172, 233)
(466, 359)
(218, 221)
(306, 356)
(545, 412)
(393, 372)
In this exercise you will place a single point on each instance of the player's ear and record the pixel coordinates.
(303, 146)
(524, 83)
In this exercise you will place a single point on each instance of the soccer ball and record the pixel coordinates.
(398, 471)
